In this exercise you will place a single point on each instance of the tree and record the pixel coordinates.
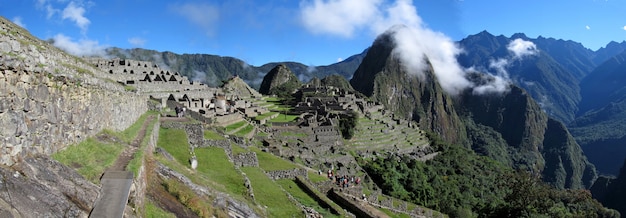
(347, 124)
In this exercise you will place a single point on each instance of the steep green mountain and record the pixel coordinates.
(615, 192)
(280, 81)
(213, 69)
(337, 81)
(512, 129)
(604, 85)
(601, 128)
(572, 56)
(382, 77)
(509, 127)
(551, 82)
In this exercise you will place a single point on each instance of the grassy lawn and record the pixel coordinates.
(244, 131)
(174, 141)
(294, 134)
(213, 163)
(235, 126)
(269, 162)
(315, 178)
(265, 115)
(237, 149)
(302, 197)
(269, 194)
(90, 158)
(284, 118)
(209, 134)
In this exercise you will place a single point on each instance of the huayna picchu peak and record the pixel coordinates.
(414, 126)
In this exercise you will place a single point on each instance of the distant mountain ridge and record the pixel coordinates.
(558, 79)
(213, 69)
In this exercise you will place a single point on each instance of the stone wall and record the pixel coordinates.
(49, 99)
(246, 159)
(287, 174)
(42, 114)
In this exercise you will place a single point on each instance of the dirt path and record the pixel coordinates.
(127, 155)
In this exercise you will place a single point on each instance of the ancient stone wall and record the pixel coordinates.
(287, 174)
(246, 159)
(49, 99)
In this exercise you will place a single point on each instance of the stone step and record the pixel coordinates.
(113, 194)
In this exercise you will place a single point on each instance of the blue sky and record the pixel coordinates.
(313, 32)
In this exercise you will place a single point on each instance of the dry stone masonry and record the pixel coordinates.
(49, 100)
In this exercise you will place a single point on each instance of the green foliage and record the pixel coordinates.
(460, 182)
(285, 90)
(347, 124)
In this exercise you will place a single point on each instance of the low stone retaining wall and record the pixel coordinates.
(248, 159)
(287, 174)
(141, 181)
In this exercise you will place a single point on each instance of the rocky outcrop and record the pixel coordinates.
(49, 99)
(238, 87)
(234, 207)
(280, 80)
(42, 187)
(383, 78)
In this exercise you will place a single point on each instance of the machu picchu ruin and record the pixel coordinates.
(144, 133)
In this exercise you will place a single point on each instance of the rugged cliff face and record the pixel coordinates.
(383, 78)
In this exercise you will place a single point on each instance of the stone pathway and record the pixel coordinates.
(116, 182)
(129, 152)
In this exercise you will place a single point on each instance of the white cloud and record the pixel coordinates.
(521, 48)
(413, 40)
(76, 14)
(18, 20)
(204, 15)
(624, 28)
(338, 17)
(137, 41)
(339, 60)
(83, 47)
(587, 27)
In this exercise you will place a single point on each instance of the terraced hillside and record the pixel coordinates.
(380, 133)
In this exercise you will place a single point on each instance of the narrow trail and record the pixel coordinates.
(127, 155)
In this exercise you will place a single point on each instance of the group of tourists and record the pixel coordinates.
(180, 111)
(343, 181)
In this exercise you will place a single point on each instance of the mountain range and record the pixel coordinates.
(568, 81)
(562, 118)
(523, 127)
